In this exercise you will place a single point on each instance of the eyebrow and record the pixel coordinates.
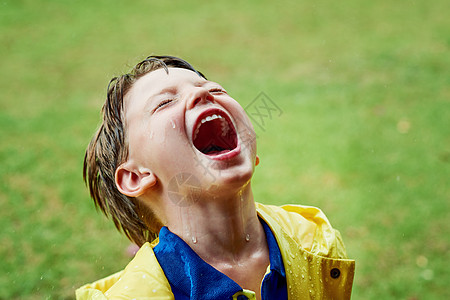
(166, 90)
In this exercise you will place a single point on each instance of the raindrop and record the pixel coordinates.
(427, 274)
(422, 261)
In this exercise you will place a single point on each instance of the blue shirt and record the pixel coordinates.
(190, 277)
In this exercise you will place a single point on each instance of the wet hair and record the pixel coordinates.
(108, 149)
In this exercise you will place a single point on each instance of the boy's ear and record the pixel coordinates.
(257, 160)
(133, 181)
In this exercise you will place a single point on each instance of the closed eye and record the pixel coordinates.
(162, 104)
(217, 91)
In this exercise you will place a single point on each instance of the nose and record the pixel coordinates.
(198, 96)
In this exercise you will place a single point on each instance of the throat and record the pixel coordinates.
(214, 150)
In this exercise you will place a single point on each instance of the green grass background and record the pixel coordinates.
(364, 87)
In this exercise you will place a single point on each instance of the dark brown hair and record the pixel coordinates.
(108, 149)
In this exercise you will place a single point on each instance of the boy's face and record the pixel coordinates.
(181, 123)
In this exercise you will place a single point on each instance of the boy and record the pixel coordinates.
(163, 125)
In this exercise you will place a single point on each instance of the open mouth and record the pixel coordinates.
(214, 133)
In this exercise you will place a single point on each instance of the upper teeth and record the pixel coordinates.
(225, 126)
(210, 118)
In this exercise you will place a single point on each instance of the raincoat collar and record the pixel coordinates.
(191, 277)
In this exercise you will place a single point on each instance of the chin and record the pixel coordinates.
(229, 180)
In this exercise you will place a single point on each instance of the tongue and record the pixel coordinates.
(214, 150)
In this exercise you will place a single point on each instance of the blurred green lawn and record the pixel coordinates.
(364, 89)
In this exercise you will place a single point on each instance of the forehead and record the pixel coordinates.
(158, 82)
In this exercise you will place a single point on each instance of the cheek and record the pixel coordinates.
(238, 113)
(168, 120)
(167, 139)
(244, 129)
(244, 124)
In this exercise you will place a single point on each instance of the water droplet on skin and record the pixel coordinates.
(151, 134)
(194, 240)
(247, 237)
(173, 124)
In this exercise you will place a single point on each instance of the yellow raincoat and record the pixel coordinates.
(313, 254)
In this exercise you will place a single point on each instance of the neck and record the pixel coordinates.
(220, 228)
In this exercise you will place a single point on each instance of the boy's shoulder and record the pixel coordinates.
(310, 247)
(143, 278)
(305, 225)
